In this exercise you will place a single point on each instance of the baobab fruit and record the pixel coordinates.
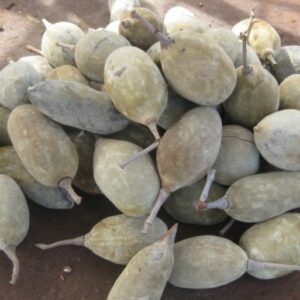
(76, 105)
(67, 72)
(117, 238)
(238, 156)
(132, 190)
(14, 220)
(290, 92)
(15, 79)
(120, 8)
(56, 35)
(49, 197)
(4, 137)
(277, 138)
(263, 242)
(147, 273)
(93, 49)
(44, 148)
(260, 197)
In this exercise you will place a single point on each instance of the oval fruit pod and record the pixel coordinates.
(117, 238)
(264, 242)
(238, 156)
(290, 92)
(119, 8)
(93, 49)
(44, 148)
(76, 105)
(277, 138)
(14, 220)
(147, 273)
(61, 32)
(181, 164)
(49, 197)
(15, 79)
(4, 137)
(67, 72)
(84, 179)
(260, 197)
(132, 190)
(181, 205)
(40, 64)
(210, 261)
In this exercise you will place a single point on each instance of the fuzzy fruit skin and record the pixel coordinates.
(198, 69)
(277, 138)
(183, 163)
(181, 205)
(15, 79)
(290, 92)
(43, 147)
(93, 49)
(261, 197)
(135, 85)
(276, 240)
(207, 262)
(4, 137)
(238, 156)
(14, 212)
(76, 105)
(146, 274)
(63, 32)
(255, 96)
(119, 238)
(132, 190)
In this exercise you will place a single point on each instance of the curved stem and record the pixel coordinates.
(65, 46)
(258, 265)
(165, 40)
(34, 50)
(151, 124)
(221, 203)
(209, 180)
(270, 57)
(46, 24)
(227, 227)
(11, 253)
(162, 197)
(66, 184)
(78, 241)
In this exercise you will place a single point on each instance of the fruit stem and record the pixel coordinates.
(65, 45)
(209, 180)
(271, 59)
(221, 203)
(165, 40)
(228, 225)
(78, 241)
(162, 197)
(34, 50)
(258, 265)
(66, 184)
(11, 253)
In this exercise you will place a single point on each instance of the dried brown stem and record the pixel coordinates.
(66, 184)
(34, 50)
(11, 253)
(78, 241)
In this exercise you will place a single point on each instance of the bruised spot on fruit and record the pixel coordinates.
(120, 72)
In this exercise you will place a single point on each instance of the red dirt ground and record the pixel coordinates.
(42, 276)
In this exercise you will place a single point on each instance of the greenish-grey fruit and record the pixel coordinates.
(260, 197)
(288, 62)
(290, 92)
(181, 205)
(67, 72)
(226, 39)
(136, 33)
(238, 156)
(245, 106)
(40, 64)
(147, 273)
(117, 238)
(197, 68)
(49, 197)
(14, 220)
(263, 38)
(44, 148)
(4, 137)
(276, 240)
(176, 108)
(76, 105)
(277, 138)
(252, 57)
(84, 179)
(61, 32)
(154, 53)
(120, 8)
(132, 190)
(93, 49)
(15, 79)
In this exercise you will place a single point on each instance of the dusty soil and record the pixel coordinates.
(42, 275)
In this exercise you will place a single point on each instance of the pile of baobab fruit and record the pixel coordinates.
(92, 109)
